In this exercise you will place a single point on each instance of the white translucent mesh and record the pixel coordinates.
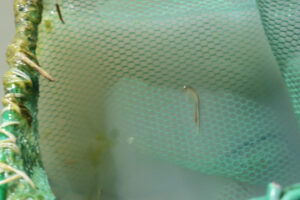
(118, 101)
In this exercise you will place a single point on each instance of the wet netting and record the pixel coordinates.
(151, 100)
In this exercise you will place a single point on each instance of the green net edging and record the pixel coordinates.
(22, 174)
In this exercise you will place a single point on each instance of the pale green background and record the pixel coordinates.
(6, 36)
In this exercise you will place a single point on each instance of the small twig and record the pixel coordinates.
(9, 144)
(59, 13)
(10, 136)
(32, 64)
(12, 178)
(18, 173)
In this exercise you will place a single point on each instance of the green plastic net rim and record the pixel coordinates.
(20, 160)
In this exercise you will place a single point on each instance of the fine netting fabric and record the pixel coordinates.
(118, 108)
(281, 20)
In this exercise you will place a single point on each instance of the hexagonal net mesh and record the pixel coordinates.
(169, 99)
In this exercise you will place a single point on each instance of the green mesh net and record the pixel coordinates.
(161, 100)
